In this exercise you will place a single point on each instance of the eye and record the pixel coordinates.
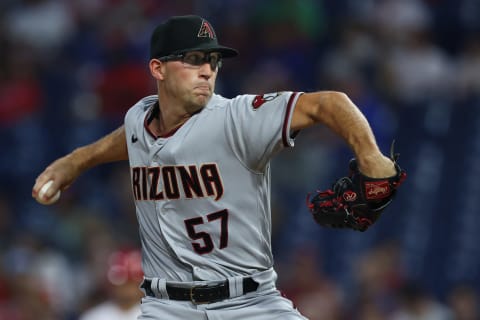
(216, 60)
(194, 59)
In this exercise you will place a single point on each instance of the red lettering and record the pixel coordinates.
(154, 174)
(144, 183)
(190, 181)
(211, 180)
(136, 183)
(147, 182)
(170, 184)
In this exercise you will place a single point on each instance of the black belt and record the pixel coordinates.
(202, 293)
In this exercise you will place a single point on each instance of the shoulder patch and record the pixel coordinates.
(259, 100)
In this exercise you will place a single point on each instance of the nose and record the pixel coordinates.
(206, 70)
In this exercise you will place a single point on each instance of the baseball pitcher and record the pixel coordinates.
(200, 178)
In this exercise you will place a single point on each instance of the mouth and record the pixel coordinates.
(203, 87)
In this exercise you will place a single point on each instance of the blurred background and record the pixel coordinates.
(69, 70)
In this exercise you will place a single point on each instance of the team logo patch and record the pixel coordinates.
(259, 100)
(206, 31)
(349, 196)
(377, 189)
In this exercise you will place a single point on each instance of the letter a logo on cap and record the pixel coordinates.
(206, 31)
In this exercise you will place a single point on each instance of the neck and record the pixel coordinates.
(162, 120)
(166, 117)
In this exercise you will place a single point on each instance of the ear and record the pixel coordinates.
(157, 69)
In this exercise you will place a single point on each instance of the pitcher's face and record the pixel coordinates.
(191, 78)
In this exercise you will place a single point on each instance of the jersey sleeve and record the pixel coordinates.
(257, 127)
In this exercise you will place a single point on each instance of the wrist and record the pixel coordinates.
(376, 165)
(80, 159)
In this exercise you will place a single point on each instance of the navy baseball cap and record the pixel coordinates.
(180, 34)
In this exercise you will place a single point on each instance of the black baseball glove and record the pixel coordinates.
(355, 201)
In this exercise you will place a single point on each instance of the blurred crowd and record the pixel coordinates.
(69, 70)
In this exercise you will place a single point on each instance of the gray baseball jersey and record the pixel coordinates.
(202, 192)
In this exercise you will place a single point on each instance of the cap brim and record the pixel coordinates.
(225, 51)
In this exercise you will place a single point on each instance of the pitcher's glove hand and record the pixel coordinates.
(355, 201)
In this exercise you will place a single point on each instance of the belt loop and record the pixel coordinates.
(235, 285)
(159, 287)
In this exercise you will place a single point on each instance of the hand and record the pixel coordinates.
(356, 201)
(63, 172)
(377, 166)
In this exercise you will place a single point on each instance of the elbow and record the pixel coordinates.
(341, 101)
(338, 97)
(336, 110)
(322, 107)
(330, 101)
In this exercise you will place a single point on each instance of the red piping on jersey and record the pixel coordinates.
(148, 120)
(285, 130)
(145, 124)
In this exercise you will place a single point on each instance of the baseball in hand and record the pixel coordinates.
(41, 195)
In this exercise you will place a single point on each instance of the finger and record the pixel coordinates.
(40, 181)
(53, 189)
